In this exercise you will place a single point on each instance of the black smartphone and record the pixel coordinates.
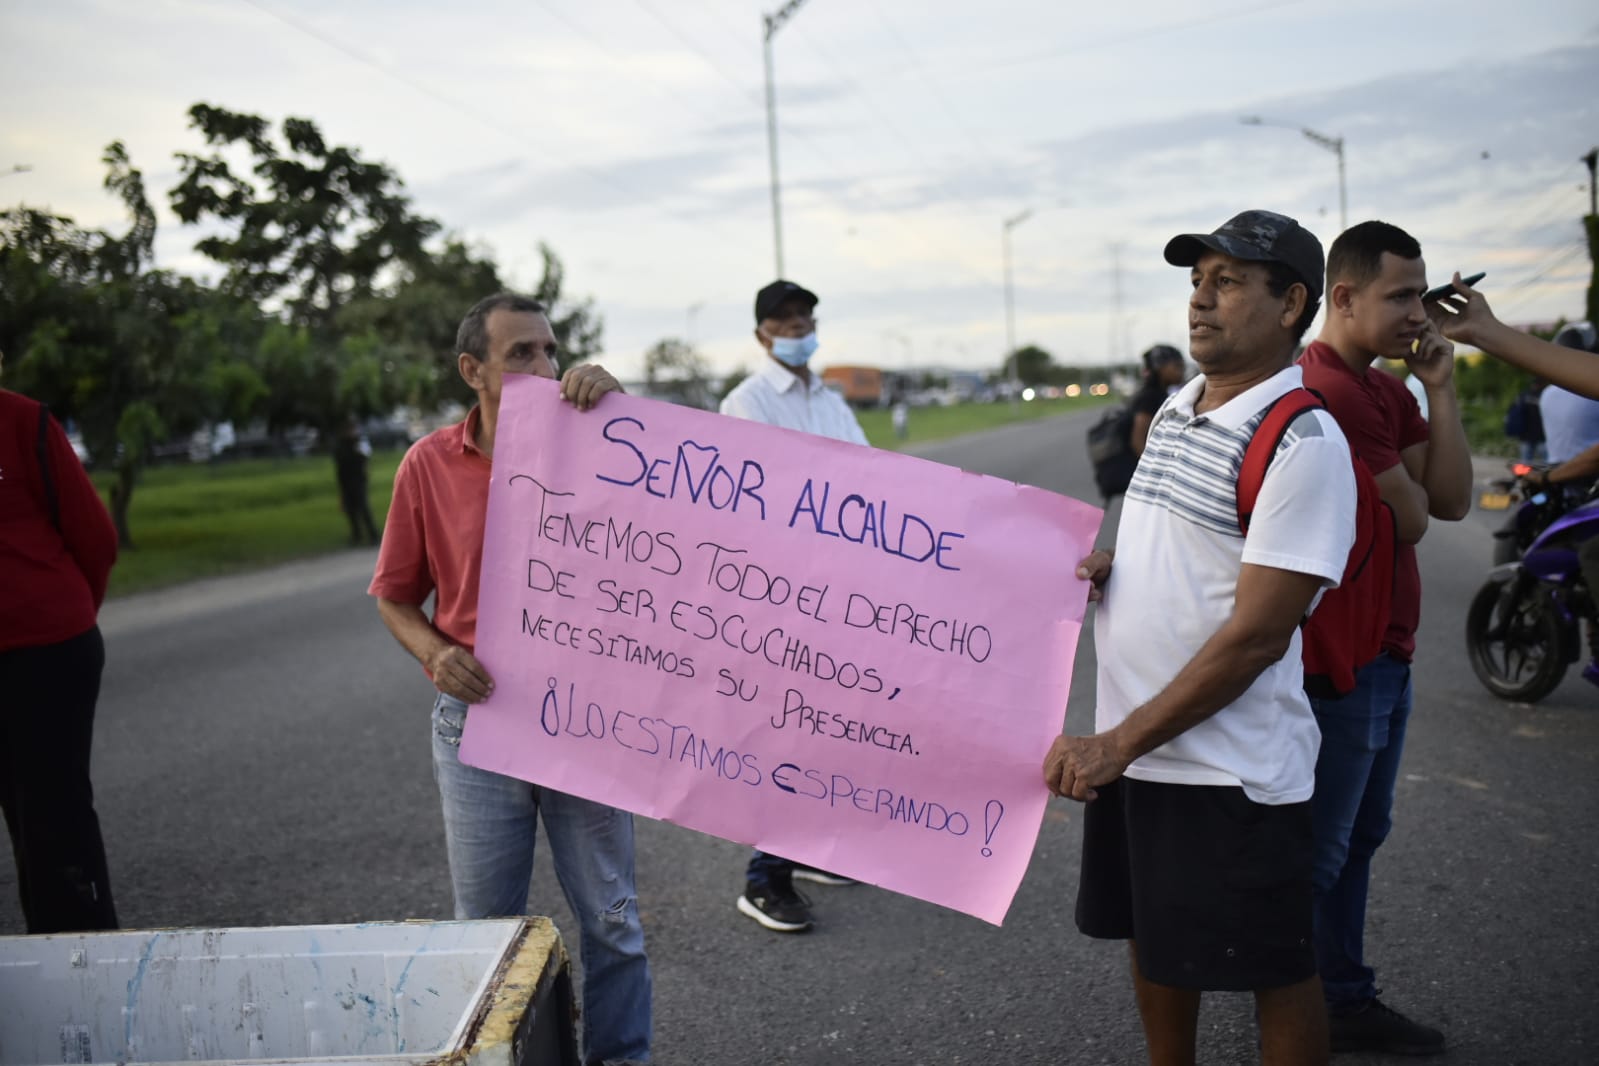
(1448, 288)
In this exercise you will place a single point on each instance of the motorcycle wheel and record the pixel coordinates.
(1515, 642)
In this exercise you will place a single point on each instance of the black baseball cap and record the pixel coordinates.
(1260, 236)
(771, 298)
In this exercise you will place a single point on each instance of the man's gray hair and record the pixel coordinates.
(473, 336)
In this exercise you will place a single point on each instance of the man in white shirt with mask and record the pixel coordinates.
(784, 392)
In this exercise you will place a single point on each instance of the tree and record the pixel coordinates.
(324, 227)
(578, 330)
(127, 351)
(413, 327)
(1033, 365)
(675, 372)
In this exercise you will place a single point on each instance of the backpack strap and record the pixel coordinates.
(1263, 446)
(41, 447)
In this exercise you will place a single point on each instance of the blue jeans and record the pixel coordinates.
(490, 823)
(766, 870)
(1362, 738)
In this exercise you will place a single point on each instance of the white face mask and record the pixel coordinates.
(795, 351)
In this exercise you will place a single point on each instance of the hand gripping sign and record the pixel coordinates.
(847, 657)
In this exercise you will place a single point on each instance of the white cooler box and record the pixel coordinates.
(483, 992)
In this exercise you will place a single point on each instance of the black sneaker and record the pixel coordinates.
(821, 877)
(1375, 1026)
(780, 910)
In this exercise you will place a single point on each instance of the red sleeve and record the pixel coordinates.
(402, 572)
(86, 527)
(1368, 428)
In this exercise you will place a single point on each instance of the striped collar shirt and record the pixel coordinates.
(1179, 553)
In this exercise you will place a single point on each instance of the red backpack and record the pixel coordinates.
(1345, 631)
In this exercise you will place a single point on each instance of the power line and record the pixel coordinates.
(862, 187)
(924, 165)
(1523, 290)
(1123, 38)
(949, 107)
(522, 140)
(1544, 209)
(710, 61)
(795, 132)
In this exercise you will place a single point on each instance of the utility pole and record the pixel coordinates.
(1118, 338)
(770, 24)
(1592, 159)
(1590, 226)
(1335, 145)
(1010, 304)
(688, 331)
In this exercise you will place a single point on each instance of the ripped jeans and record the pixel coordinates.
(490, 822)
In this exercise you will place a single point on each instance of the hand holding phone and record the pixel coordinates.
(1448, 288)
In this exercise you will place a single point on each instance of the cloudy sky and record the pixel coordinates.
(631, 135)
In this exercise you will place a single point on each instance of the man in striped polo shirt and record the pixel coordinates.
(1196, 839)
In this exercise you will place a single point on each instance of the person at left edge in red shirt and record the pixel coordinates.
(433, 544)
(57, 546)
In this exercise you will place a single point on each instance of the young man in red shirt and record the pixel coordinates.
(433, 544)
(1375, 280)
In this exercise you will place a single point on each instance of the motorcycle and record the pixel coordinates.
(1532, 509)
(1523, 629)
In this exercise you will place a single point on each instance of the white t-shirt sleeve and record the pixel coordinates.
(1304, 519)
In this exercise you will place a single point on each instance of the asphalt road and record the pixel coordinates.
(262, 759)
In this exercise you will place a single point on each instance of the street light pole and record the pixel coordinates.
(1592, 159)
(688, 331)
(17, 168)
(1010, 303)
(770, 24)
(1335, 145)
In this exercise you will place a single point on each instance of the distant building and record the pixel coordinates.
(861, 386)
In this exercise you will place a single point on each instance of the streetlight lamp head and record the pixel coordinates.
(1251, 120)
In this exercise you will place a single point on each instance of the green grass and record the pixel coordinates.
(937, 423)
(192, 521)
(200, 521)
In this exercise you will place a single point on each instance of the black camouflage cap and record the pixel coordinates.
(1260, 236)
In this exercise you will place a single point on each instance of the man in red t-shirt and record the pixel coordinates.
(433, 545)
(1375, 280)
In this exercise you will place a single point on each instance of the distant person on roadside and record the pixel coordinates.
(351, 451)
(57, 546)
(1524, 423)
(1571, 422)
(1422, 466)
(433, 545)
(1197, 782)
(784, 392)
(900, 415)
(1164, 370)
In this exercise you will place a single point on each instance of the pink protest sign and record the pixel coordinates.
(844, 656)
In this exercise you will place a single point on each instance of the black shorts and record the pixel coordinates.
(1213, 888)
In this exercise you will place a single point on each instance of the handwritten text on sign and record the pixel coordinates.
(847, 657)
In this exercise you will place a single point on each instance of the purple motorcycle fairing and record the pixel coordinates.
(1553, 555)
